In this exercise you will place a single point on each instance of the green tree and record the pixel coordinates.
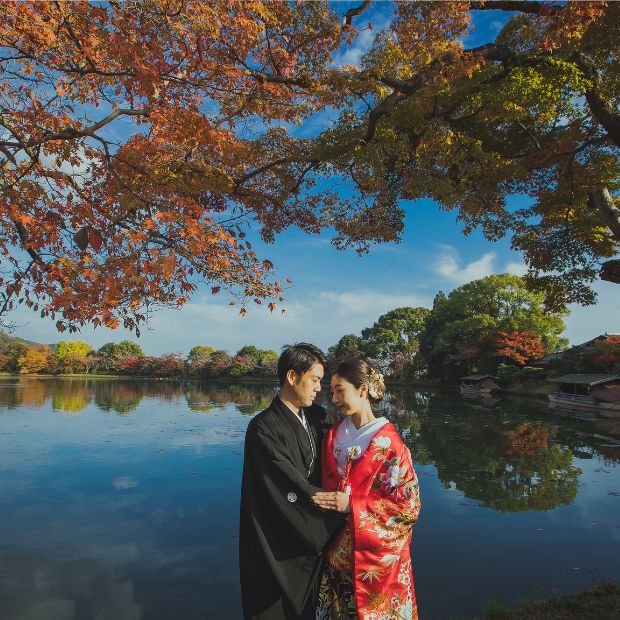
(199, 356)
(76, 348)
(462, 327)
(346, 346)
(112, 352)
(13, 350)
(395, 332)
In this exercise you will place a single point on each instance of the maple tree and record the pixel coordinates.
(34, 360)
(519, 347)
(606, 354)
(139, 141)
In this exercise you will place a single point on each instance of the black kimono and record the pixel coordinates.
(282, 533)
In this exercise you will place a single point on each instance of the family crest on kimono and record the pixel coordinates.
(367, 473)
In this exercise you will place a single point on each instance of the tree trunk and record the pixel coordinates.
(610, 213)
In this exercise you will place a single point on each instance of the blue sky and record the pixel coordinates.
(336, 292)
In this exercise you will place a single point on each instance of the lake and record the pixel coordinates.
(119, 499)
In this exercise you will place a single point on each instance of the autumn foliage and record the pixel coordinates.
(527, 439)
(606, 353)
(519, 347)
(140, 140)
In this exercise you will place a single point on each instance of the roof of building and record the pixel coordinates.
(594, 340)
(558, 355)
(476, 377)
(586, 379)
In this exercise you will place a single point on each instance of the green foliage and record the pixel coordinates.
(72, 348)
(510, 374)
(347, 346)
(199, 356)
(396, 331)
(462, 326)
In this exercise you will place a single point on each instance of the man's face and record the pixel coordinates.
(308, 385)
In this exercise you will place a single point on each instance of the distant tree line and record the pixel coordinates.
(492, 325)
(127, 358)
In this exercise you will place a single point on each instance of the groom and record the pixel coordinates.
(282, 533)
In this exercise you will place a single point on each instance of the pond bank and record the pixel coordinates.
(601, 602)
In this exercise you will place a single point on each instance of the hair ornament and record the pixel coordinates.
(376, 385)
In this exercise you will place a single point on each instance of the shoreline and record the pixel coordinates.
(603, 601)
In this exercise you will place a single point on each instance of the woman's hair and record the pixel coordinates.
(359, 372)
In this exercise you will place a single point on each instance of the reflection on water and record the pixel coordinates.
(125, 505)
(124, 396)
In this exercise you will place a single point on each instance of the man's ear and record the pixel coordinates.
(291, 377)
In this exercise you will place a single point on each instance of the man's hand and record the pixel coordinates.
(332, 500)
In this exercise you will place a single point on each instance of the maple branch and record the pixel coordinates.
(262, 76)
(70, 133)
(517, 6)
(385, 108)
(276, 162)
(602, 109)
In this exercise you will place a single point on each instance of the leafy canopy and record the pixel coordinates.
(138, 141)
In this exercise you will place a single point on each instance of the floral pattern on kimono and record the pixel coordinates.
(385, 503)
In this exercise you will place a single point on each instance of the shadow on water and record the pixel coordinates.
(134, 515)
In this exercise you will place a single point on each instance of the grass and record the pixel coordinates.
(598, 604)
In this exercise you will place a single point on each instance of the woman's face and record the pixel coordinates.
(347, 398)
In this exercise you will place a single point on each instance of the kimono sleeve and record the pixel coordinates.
(385, 516)
(278, 478)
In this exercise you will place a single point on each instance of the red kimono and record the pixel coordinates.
(373, 549)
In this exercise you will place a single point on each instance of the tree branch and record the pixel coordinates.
(347, 20)
(610, 213)
(517, 6)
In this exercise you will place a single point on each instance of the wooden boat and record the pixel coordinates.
(597, 392)
(481, 385)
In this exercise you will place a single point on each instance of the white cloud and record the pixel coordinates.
(353, 54)
(449, 266)
(517, 269)
(322, 317)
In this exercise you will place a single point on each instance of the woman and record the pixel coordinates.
(367, 471)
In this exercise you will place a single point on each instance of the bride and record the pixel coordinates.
(368, 473)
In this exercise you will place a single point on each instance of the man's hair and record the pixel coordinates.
(299, 357)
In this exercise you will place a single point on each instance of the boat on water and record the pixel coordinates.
(480, 385)
(597, 392)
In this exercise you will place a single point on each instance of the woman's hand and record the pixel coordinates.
(332, 500)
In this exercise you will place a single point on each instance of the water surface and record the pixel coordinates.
(119, 499)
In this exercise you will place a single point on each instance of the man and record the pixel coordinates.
(282, 532)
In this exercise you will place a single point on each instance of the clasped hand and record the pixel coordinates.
(332, 500)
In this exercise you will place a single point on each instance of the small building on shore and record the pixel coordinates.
(583, 348)
(478, 384)
(598, 392)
